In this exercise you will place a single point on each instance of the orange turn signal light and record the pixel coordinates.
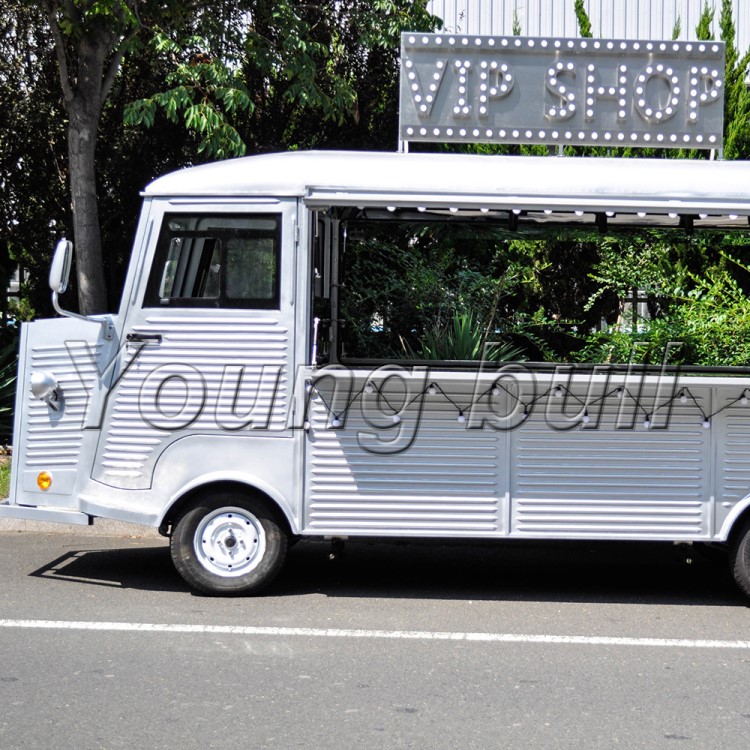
(44, 480)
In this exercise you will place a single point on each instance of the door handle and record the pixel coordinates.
(144, 338)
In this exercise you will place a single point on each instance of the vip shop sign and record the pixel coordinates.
(594, 92)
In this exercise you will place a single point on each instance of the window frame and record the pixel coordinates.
(152, 298)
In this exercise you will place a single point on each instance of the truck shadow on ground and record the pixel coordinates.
(147, 568)
(609, 572)
(604, 572)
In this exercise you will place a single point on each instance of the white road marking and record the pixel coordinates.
(409, 635)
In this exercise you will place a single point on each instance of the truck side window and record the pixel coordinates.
(220, 260)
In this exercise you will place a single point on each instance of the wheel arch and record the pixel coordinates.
(736, 519)
(212, 484)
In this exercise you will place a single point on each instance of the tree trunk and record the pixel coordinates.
(84, 93)
(92, 295)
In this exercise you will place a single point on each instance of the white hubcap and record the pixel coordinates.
(230, 542)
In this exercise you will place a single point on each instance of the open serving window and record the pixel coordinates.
(458, 285)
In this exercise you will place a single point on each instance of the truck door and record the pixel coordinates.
(50, 436)
(208, 339)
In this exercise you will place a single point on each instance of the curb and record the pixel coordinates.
(100, 527)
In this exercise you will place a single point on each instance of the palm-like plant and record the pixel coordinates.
(462, 339)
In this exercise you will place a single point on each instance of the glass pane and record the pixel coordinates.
(217, 261)
(251, 268)
(170, 267)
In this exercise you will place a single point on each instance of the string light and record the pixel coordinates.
(684, 395)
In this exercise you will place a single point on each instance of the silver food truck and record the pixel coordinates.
(232, 404)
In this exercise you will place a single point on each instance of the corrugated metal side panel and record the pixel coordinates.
(449, 481)
(214, 349)
(733, 469)
(54, 439)
(602, 482)
(617, 19)
(611, 477)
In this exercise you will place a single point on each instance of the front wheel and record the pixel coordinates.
(739, 558)
(228, 544)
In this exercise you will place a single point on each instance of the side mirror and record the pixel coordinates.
(59, 271)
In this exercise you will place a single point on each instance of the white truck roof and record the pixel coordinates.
(529, 182)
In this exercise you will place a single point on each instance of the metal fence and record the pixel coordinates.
(612, 19)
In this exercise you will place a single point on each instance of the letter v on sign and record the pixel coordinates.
(424, 95)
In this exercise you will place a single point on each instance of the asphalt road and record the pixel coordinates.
(572, 645)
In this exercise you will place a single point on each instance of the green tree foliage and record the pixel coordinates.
(205, 92)
(211, 51)
(710, 324)
(90, 38)
(516, 30)
(287, 75)
(677, 29)
(582, 18)
(34, 203)
(704, 30)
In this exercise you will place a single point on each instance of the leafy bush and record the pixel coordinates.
(8, 366)
(711, 321)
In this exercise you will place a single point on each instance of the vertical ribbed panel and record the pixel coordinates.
(610, 19)
(53, 439)
(733, 472)
(189, 383)
(448, 480)
(633, 482)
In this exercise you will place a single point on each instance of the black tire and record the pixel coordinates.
(228, 544)
(739, 558)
